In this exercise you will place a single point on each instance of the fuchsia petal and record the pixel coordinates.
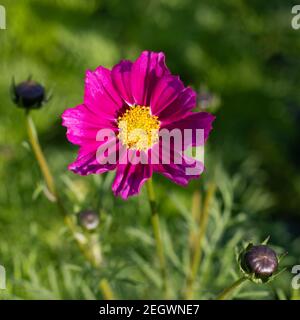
(146, 70)
(121, 76)
(180, 168)
(178, 172)
(194, 120)
(165, 92)
(130, 179)
(87, 161)
(83, 125)
(183, 104)
(88, 164)
(100, 96)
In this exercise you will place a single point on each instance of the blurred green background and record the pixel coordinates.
(244, 53)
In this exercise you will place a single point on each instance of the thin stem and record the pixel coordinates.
(95, 249)
(106, 290)
(39, 155)
(197, 254)
(156, 232)
(91, 256)
(230, 290)
(89, 246)
(33, 138)
(196, 212)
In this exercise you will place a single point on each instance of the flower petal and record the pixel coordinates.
(165, 92)
(181, 173)
(146, 70)
(83, 125)
(121, 77)
(194, 121)
(87, 161)
(183, 104)
(100, 96)
(130, 179)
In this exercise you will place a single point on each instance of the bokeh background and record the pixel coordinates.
(243, 57)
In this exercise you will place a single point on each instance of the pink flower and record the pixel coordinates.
(135, 95)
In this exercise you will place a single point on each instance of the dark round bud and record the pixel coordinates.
(261, 260)
(28, 94)
(89, 219)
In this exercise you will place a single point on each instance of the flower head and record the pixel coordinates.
(28, 94)
(136, 103)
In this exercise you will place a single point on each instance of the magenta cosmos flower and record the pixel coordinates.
(134, 95)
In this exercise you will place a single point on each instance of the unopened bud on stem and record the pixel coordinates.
(28, 94)
(261, 260)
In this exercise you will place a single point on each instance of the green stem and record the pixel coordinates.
(33, 138)
(196, 212)
(106, 290)
(157, 235)
(95, 249)
(50, 183)
(197, 252)
(230, 290)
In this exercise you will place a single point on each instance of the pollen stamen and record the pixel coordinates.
(138, 128)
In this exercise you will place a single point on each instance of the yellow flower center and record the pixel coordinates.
(138, 128)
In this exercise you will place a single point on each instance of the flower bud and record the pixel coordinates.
(259, 263)
(89, 219)
(261, 260)
(28, 94)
